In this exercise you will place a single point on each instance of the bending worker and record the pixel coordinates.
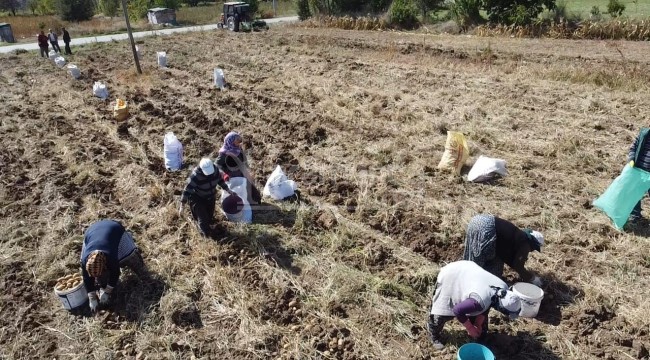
(107, 247)
(490, 242)
(201, 192)
(233, 162)
(466, 291)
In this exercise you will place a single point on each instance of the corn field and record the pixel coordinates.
(346, 23)
(636, 30)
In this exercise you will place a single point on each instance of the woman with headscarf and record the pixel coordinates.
(490, 242)
(467, 292)
(107, 247)
(232, 162)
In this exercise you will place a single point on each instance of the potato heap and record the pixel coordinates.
(68, 282)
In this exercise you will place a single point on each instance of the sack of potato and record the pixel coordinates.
(68, 282)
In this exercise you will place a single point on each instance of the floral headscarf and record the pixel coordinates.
(229, 146)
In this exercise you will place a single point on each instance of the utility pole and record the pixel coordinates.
(275, 9)
(128, 29)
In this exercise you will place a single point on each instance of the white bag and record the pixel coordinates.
(219, 79)
(99, 90)
(137, 52)
(59, 61)
(239, 185)
(52, 55)
(278, 186)
(162, 59)
(486, 169)
(173, 152)
(74, 71)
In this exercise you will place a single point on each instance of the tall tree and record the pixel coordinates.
(75, 10)
(10, 5)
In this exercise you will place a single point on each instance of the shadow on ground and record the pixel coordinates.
(557, 295)
(270, 214)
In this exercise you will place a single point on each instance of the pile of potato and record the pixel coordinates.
(68, 282)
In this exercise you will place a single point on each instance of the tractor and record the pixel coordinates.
(236, 17)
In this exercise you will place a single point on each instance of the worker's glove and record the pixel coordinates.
(92, 301)
(472, 330)
(480, 320)
(105, 295)
(537, 281)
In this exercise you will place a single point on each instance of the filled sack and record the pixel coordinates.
(100, 90)
(456, 152)
(278, 186)
(486, 168)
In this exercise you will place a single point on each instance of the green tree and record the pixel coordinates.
(427, 5)
(10, 5)
(32, 5)
(109, 7)
(191, 3)
(253, 5)
(302, 7)
(170, 4)
(138, 9)
(403, 14)
(516, 11)
(615, 8)
(75, 10)
(46, 7)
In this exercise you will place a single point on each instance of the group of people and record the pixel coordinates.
(469, 288)
(53, 39)
(465, 290)
(108, 246)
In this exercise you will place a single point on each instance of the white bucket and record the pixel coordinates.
(219, 79)
(531, 298)
(73, 298)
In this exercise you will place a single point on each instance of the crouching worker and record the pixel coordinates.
(490, 242)
(201, 192)
(107, 247)
(467, 292)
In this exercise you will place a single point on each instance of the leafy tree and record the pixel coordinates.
(303, 9)
(75, 10)
(169, 4)
(615, 8)
(109, 7)
(403, 14)
(32, 5)
(253, 5)
(427, 5)
(10, 5)
(191, 3)
(516, 11)
(138, 9)
(46, 7)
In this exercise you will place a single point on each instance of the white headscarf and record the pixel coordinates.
(512, 303)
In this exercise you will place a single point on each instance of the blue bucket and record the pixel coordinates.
(474, 351)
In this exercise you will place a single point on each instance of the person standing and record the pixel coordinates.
(490, 242)
(201, 193)
(54, 41)
(467, 292)
(42, 44)
(66, 40)
(639, 155)
(107, 247)
(232, 162)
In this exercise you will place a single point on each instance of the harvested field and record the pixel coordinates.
(359, 121)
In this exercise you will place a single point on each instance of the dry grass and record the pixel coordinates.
(626, 29)
(345, 23)
(359, 120)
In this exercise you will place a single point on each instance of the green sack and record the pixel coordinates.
(623, 194)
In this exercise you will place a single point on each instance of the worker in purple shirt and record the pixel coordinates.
(467, 292)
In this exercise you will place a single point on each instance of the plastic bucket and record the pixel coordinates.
(531, 298)
(73, 298)
(233, 207)
(474, 351)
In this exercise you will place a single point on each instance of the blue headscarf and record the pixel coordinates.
(229, 146)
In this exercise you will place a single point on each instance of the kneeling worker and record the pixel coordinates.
(107, 247)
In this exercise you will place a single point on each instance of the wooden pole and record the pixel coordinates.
(275, 9)
(128, 29)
